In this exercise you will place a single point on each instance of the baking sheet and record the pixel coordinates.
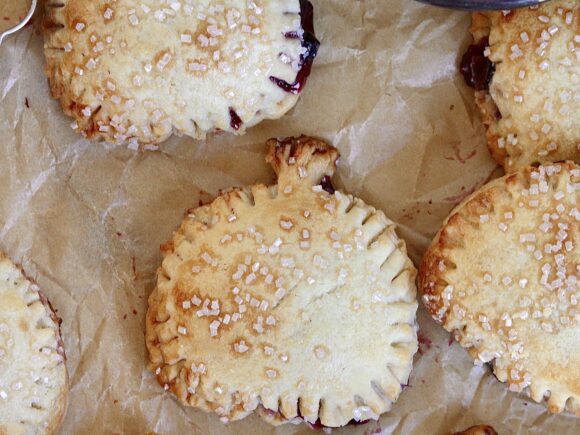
(86, 219)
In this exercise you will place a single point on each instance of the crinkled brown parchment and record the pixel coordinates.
(11, 12)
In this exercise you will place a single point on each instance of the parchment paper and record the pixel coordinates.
(86, 219)
(11, 11)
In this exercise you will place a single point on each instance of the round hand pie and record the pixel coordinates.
(33, 376)
(134, 71)
(294, 299)
(525, 67)
(503, 275)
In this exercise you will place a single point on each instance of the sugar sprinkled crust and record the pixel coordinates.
(137, 71)
(532, 106)
(481, 429)
(33, 376)
(503, 274)
(286, 298)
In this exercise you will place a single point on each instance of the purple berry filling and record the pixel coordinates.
(326, 184)
(235, 121)
(317, 425)
(310, 44)
(476, 68)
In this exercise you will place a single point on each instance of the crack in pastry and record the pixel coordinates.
(33, 376)
(287, 299)
(525, 67)
(503, 275)
(137, 71)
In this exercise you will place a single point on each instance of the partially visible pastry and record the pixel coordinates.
(295, 300)
(481, 429)
(525, 67)
(33, 376)
(503, 275)
(136, 71)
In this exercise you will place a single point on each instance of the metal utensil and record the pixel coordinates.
(21, 24)
(483, 5)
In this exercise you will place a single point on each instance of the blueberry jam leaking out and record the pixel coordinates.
(310, 44)
(477, 69)
(326, 184)
(235, 121)
(317, 425)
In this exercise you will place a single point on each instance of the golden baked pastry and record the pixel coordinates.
(292, 299)
(503, 275)
(33, 376)
(525, 67)
(481, 429)
(135, 71)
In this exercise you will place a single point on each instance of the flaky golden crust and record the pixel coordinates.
(60, 404)
(531, 109)
(59, 410)
(33, 377)
(287, 299)
(481, 429)
(136, 71)
(503, 275)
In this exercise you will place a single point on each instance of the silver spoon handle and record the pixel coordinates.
(482, 5)
(21, 24)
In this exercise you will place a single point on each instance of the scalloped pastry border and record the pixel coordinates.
(319, 160)
(56, 417)
(429, 274)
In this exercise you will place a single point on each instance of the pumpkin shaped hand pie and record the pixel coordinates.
(293, 299)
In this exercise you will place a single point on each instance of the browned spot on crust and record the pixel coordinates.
(301, 150)
(196, 40)
(507, 16)
(498, 154)
(287, 223)
(235, 350)
(57, 320)
(50, 24)
(103, 9)
(23, 325)
(167, 247)
(206, 62)
(158, 61)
